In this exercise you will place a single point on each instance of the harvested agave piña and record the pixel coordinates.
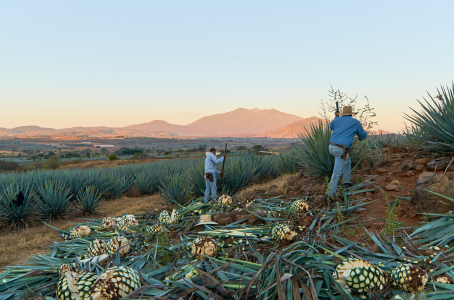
(283, 233)
(225, 200)
(118, 244)
(154, 229)
(96, 247)
(299, 206)
(360, 276)
(108, 223)
(126, 222)
(115, 283)
(204, 246)
(74, 286)
(64, 268)
(409, 278)
(79, 231)
(166, 219)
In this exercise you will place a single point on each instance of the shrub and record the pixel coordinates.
(89, 200)
(113, 157)
(8, 165)
(138, 155)
(53, 162)
(313, 152)
(434, 125)
(54, 202)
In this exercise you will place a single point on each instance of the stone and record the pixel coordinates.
(299, 174)
(406, 165)
(369, 195)
(396, 149)
(431, 203)
(418, 168)
(411, 173)
(422, 161)
(240, 217)
(394, 160)
(432, 165)
(381, 171)
(396, 164)
(273, 187)
(391, 187)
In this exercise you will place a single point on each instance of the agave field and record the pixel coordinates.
(52, 193)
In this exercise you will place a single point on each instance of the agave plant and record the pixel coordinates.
(176, 190)
(89, 199)
(287, 162)
(435, 121)
(313, 152)
(54, 200)
(17, 215)
(195, 174)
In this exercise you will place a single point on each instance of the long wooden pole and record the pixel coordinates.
(223, 164)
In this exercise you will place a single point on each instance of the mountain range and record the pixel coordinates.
(240, 122)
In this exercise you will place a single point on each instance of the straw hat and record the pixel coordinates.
(206, 220)
(347, 111)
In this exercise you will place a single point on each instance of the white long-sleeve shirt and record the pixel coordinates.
(210, 163)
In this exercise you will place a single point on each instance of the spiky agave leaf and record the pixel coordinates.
(17, 215)
(313, 152)
(89, 200)
(54, 200)
(435, 121)
(176, 189)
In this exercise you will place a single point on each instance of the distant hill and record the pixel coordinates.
(292, 130)
(240, 122)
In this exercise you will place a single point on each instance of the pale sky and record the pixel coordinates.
(117, 63)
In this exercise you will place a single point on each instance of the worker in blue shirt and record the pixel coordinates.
(344, 128)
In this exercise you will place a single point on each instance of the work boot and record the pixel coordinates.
(328, 200)
(348, 185)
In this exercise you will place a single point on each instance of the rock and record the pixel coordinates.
(318, 200)
(388, 179)
(422, 161)
(395, 182)
(365, 164)
(273, 187)
(406, 165)
(431, 203)
(419, 168)
(381, 171)
(411, 173)
(394, 160)
(299, 174)
(369, 195)
(391, 187)
(432, 165)
(396, 164)
(396, 149)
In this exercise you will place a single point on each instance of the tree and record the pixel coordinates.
(364, 114)
(139, 156)
(241, 148)
(258, 148)
(113, 157)
(104, 151)
(53, 163)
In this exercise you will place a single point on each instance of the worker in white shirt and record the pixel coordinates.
(210, 174)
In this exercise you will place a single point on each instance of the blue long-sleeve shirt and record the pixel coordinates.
(344, 130)
(210, 163)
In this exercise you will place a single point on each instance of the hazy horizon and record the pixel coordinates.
(112, 63)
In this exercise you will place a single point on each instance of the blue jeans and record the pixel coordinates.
(210, 187)
(342, 167)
